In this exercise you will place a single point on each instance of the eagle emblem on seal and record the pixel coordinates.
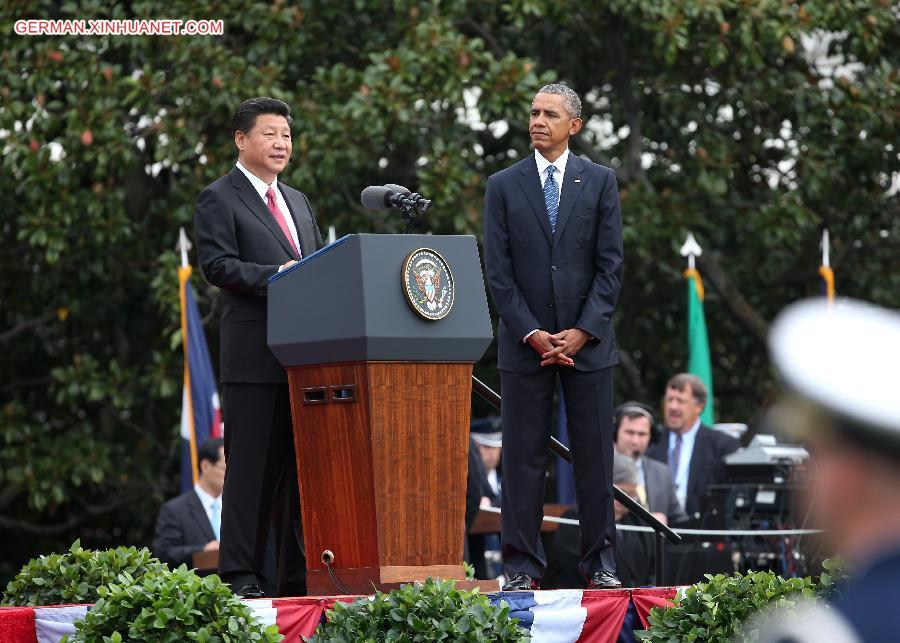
(428, 284)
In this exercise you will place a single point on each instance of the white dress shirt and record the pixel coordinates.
(542, 165)
(494, 482)
(260, 186)
(559, 164)
(684, 460)
(207, 501)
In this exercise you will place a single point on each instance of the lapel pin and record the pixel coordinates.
(577, 180)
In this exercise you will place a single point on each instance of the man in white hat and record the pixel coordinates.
(840, 367)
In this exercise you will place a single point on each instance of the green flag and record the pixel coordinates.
(699, 362)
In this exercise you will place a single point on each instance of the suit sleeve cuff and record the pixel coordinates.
(525, 339)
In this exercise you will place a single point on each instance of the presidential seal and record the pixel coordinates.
(428, 284)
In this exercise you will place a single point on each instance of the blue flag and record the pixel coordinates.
(201, 416)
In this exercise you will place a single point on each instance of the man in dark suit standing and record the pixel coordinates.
(655, 489)
(191, 522)
(693, 451)
(553, 256)
(249, 226)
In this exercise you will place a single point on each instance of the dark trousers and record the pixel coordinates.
(260, 488)
(527, 414)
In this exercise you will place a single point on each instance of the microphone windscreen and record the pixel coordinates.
(375, 197)
(398, 188)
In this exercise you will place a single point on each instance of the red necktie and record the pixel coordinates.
(279, 217)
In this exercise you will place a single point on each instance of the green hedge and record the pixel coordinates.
(715, 611)
(75, 576)
(433, 611)
(170, 606)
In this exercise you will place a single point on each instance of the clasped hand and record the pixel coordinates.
(559, 348)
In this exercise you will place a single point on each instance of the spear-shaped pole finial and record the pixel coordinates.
(183, 246)
(691, 249)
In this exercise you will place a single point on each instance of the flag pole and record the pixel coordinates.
(184, 273)
(691, 249)
(183, 246)
(699, 358)
(825, 270)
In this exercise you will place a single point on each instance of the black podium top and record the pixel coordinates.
(348, 303)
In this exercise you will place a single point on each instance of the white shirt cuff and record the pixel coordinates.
(525, 339)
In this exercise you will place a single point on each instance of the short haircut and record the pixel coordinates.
(210, 450)
(633, 410)
(624, 469)
(245, 115)
(698, 388)
(572, 100)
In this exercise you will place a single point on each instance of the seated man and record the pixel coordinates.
(190, 523)
(656, 490)
(635, 559)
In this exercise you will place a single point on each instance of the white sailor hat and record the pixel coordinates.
(841, 366)
(494, 439)
(487, 431)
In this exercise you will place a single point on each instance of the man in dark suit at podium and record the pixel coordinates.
(190, 523)
(553, 256)
(250, 226)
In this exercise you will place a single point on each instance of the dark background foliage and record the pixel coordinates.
(753, 124)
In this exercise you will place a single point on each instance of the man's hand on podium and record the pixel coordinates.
(212, 545)
(287, 265)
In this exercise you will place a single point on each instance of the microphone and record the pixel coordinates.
(394, 197)
(376, 197)
(398, 188)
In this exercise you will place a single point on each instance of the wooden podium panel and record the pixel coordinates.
(382, 464)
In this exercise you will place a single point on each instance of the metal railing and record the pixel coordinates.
(661, 532)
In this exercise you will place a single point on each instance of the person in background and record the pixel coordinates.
(486, 443)
(838, 365)
(190, 523)
(693, 451)
(656, 490)
(490, 447)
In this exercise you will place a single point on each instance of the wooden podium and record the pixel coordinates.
(381, 398)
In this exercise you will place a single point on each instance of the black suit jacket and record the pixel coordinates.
(240, 245)
(182, 529)
(570, 279)
(707, 466)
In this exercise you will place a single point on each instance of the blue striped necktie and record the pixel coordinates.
(551, 197)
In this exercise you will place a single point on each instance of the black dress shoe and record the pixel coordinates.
(521, 581)
(603, 579)
(250, 591)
